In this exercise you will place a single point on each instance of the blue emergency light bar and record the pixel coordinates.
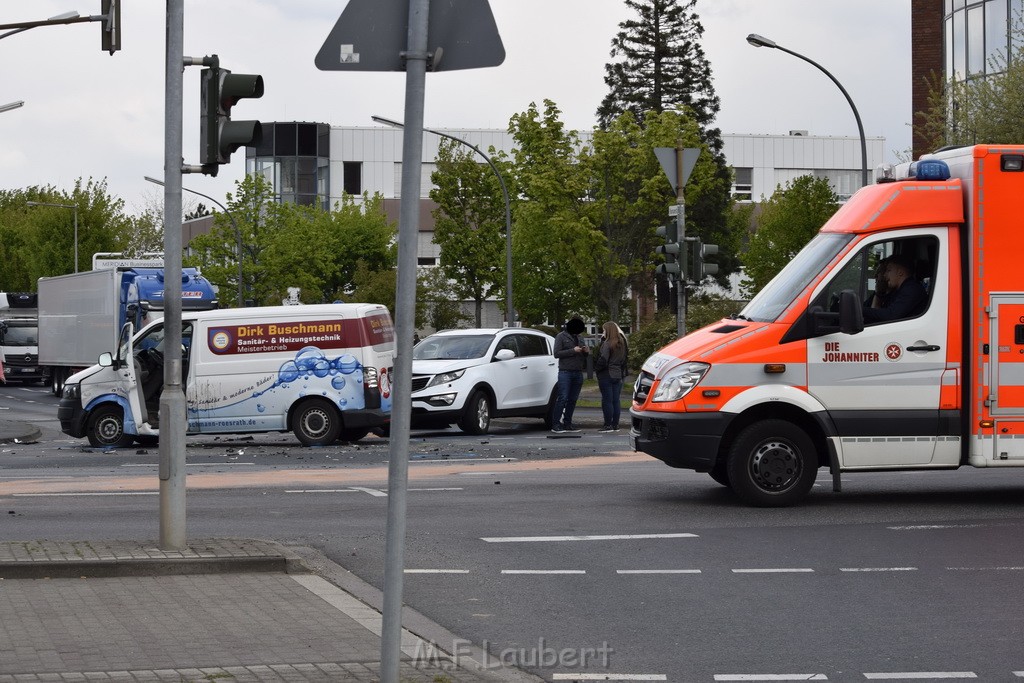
(929, 169)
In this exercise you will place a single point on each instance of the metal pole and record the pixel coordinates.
(761, 41)
(681, 238)
(234, 224)
(76, 237)
(172, 399)
(405, 325)
(510, 313)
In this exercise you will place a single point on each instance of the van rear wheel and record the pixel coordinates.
(106, 428)
(772, 463)
(316, 423)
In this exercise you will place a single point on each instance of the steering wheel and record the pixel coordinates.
(151, 358)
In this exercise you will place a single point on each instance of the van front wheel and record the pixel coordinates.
(106, 428)
(772, 463)
(316, 423)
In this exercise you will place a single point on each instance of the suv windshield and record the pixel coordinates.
(778, 294)
(452, 347)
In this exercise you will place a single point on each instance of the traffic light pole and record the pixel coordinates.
(681, 237)
(172, 398)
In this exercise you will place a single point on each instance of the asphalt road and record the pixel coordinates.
(581, 561)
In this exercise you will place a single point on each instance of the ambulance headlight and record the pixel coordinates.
(678, 381)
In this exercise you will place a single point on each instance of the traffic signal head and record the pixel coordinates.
(670, 250)
(110, 26)
(698, 268)
(219, 135)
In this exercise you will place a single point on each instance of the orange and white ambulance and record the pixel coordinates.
(800, 378)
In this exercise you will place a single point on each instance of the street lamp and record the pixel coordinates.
(761, 41)
(234, 224)
(73, 207)
(510, 312)
(11, 105)
(71, 17)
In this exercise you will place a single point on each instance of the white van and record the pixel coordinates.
(321, 371)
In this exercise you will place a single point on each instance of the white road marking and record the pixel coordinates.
(984, 569)
(543, 571)
(440, 488)
(436, 571)
(321, 491)
(1019, 674)
(188, 464)
(657, 571)
(609, 677)
(774, 570)
(878, 569)
(771, 677)
(373, 492)
(929, 527)
(904, 675)
(610, 537)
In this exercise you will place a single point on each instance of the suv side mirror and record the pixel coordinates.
(505, 354)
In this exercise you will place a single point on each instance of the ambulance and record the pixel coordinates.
(322, 372)
(798, 380)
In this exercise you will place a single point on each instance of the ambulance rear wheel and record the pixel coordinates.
(106, 428)
(772, 463)
(316, 423)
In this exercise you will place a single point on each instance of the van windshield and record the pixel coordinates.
(452, 347)
(792, 280)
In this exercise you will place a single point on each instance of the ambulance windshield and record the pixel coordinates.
(792, 280)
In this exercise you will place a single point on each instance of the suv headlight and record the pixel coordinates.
(678, 381)
(71, 391)
(446, 377)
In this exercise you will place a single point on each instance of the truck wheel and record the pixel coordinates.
(772, 463)
(316, 423)
(106, 428)
(476, 415)
(57, 382)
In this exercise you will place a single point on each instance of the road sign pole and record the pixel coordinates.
(405, 325)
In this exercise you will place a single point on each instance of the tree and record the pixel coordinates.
(470, 224)
(788, 221)
(663, 64)
(554, 242)
(441, 308)
(981, 109)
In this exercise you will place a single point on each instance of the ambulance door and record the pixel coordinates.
(1006, 375)
(881, 386)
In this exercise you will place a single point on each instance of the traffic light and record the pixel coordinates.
(219, 136)
(670, 250)
(110, 26)
(698, 268)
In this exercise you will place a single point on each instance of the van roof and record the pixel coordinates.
(263, 312)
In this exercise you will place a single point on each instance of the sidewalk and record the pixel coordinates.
(16, 431)
(221, 610)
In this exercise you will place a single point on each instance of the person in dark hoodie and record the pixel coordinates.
(571, 353)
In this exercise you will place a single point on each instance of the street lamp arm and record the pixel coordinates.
(856, 114)
(234, 224)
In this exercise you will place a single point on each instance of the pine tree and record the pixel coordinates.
(662, 65)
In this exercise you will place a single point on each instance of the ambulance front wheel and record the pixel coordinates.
(772, 463)
(316, 423)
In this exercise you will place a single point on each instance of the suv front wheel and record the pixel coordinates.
(476, 415)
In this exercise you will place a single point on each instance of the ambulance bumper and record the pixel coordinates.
(685, 440)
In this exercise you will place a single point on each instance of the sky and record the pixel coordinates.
(88, 114)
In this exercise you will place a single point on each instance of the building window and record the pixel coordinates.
(352, 178)
(742, 184)
(426, 261)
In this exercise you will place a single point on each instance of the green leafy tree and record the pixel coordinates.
(441, 307)
(470, 224)
(554, 242)
(788, 221)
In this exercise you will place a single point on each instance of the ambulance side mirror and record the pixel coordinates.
(851, 313)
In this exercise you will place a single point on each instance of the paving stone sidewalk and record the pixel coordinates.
(221, 610)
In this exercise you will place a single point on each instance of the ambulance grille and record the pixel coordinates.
(642, 387)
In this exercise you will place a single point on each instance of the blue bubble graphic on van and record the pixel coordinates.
(339, 379)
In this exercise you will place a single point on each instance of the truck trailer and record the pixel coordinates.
(81, 314)
(806, 376)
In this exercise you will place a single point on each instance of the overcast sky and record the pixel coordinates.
(90, 114)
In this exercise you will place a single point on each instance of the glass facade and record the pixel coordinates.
(978, 35)
(295, 159)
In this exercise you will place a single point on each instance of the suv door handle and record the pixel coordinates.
(926, 347)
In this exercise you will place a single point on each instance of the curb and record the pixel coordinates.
(18, 432)
(95, 569)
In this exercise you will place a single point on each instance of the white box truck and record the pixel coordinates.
(320, 371)
(81, 314)
(19, 337)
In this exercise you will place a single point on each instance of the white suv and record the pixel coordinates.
(468, 377)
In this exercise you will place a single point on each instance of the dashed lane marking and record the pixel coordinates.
(543, 571)
(608, 537)
(436, 571)
(878, 569)
(774, 570)
(608, 677)
(929, 675)
(657, 571)
(771, 677)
